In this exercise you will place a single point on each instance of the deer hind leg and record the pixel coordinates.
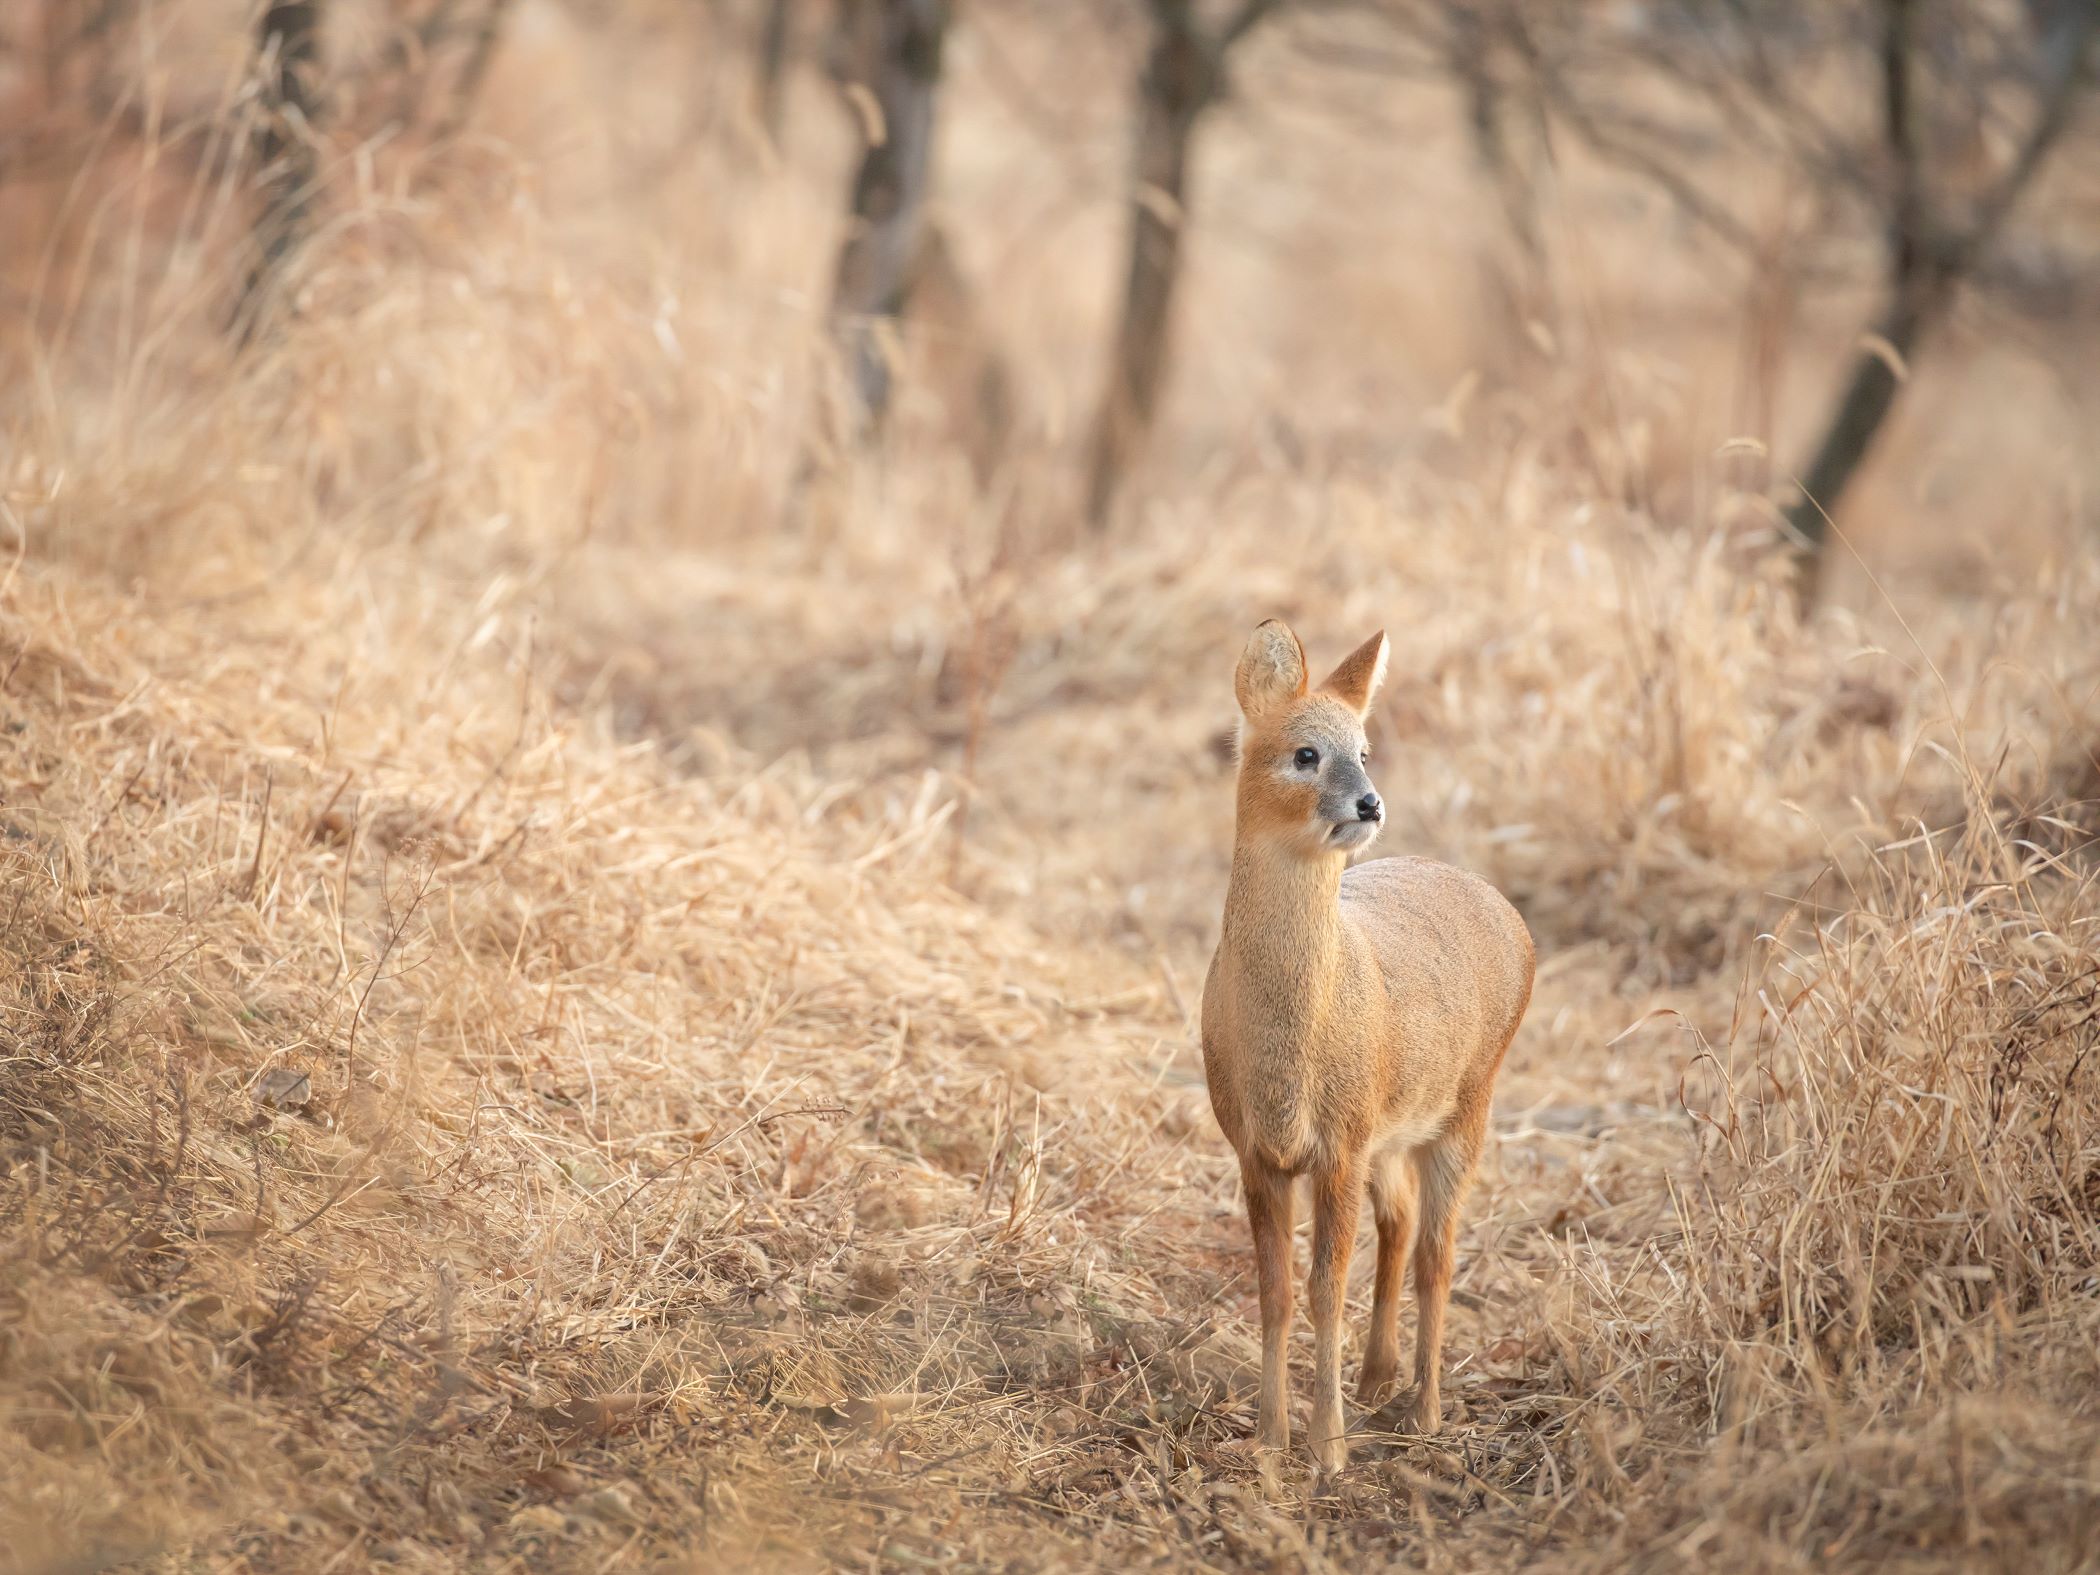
(1443, 1171)
(1392, 1180)
(1337, 1201)
(1269, 1216)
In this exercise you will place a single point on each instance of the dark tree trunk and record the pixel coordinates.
(289, 43)
(1918, 289)
(1179, 82)
(1869, 394)
(959, 356)
(1489, 114)
(772, 65)
(1927, 260)
(474, 71)
(900, 70)
(1475, 33)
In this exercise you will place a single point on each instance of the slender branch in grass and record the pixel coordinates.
(517, 743)
(319, 822)
(397, 926)
(124, 793)
(170, 1172)
(262, 835)
(20, 532)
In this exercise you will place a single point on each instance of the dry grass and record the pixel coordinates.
(555, 1021)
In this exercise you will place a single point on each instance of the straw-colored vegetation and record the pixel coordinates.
(560, 1012)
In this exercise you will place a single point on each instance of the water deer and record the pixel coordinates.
(1353, 1023)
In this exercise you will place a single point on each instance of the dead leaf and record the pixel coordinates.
(875, 1411)
(282, 1088)
(596, 1414)
(611, 1505)
(555, 1481)
(876, 1281)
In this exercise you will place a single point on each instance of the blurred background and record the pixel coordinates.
(1105, 253)
(635, 599)
(871, 334)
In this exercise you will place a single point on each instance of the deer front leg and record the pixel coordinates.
(1337, 1199)
(1269, 1215)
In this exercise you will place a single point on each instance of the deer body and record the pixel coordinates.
(1353, 1024)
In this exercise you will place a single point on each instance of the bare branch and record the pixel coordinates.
(1242, 22)
(488, 31)
(1747, 87)
(2060, 96)
(1613, 145)
(1908, 218)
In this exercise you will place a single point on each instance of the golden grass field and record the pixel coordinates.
(571, 1006)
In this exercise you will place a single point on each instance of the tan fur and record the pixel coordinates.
(1353, 1024)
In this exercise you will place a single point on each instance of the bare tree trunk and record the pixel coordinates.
(407, 59)
(69, 30)
(1177, 85)
(772, 65)
(1869, 394)
(1927, 259)
(481, 53)
(893, 91)
(959, 357)
(1769, 306)
(1184, 75)
(289, 43)
(1472, 35)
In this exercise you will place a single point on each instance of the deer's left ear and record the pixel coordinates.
(1356, 681)
(1271, 671)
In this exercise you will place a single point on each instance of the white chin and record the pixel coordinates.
(1349, 835)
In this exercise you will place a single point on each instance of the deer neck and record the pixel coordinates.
(1283, 927)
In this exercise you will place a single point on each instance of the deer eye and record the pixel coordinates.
(1307, 759)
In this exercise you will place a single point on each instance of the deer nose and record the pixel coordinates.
(1368, 808)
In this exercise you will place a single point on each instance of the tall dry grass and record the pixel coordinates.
(563, 1014)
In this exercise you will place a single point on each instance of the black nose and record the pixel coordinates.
(1368, 808)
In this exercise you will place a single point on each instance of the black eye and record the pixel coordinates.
(1307, 759)
(1364, 758)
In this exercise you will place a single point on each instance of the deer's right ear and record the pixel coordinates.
(1271, 671)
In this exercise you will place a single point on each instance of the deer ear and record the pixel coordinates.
(1271, 671)
(1362, 671)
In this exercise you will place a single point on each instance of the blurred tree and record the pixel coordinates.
(420, 43)
(1969, 99)
(76, 28)
(1930, 245)
(959, 356)
(1184, 74)
(891, 67)
(774, 29)
(486, 33)
(1479, 44)
(288, 49)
